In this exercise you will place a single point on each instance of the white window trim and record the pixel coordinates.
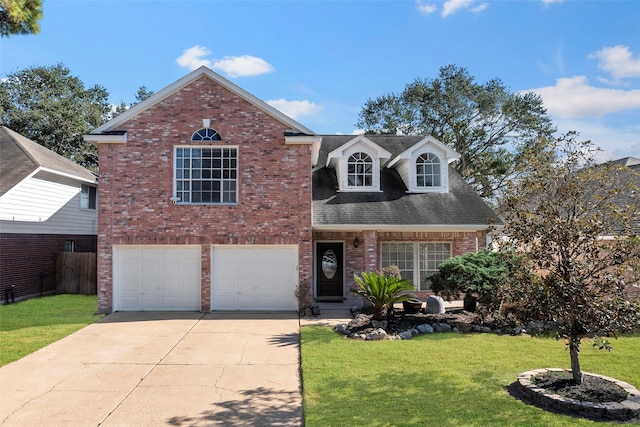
(416, 258)
(88, 207)
(344, 170)
(444, 173)
(175, 197)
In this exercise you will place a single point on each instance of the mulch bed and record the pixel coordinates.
(592, 389)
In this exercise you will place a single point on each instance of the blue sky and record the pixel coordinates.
(320, 61)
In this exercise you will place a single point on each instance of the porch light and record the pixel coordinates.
(355, 242)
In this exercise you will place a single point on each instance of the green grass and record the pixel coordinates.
(440, 379)
(29, 325)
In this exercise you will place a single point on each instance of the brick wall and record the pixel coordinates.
(28, 261)
(136, 182)
(366, 257)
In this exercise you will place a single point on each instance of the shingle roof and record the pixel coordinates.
(461, 206)
(20, 157)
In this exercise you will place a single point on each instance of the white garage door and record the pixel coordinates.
(156, 278)
(256, 277)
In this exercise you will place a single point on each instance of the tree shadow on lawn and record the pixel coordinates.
(429, 397)
(257, 407)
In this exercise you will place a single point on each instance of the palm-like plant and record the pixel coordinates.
(382, 291)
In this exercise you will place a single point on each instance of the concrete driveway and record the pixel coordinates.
(145, 369)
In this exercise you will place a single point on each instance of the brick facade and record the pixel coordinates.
(28, 261)
(136, 183)
(366, 257)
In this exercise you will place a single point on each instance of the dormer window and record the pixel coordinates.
(424, 167)
(357, 164)
(428, 170)
(360, 170)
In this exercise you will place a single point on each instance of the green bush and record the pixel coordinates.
(382, 290)
(480, 274)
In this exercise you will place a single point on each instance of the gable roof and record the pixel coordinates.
(449, 152)
(393, 208)
(184, 81)
(360, 139)
(22, 157)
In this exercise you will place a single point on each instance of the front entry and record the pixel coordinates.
(330, 271)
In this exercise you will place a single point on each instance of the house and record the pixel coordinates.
(211, 199)
(47, 205)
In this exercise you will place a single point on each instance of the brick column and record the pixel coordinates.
(205, 278)
(370, 246)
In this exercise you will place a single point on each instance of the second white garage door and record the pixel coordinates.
(254, 277)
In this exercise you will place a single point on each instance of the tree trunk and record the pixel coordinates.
(574, 350)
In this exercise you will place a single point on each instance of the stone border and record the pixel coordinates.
(620, 411)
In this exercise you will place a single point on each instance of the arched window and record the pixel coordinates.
(428, 170)
(360, 170)
(206, 134)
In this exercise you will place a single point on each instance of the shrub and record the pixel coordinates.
(481, 274)
(382, 290)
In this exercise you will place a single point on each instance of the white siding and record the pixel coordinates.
(46, 204)
(403, 168)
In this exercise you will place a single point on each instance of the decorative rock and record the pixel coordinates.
(376, 335)
(425, 329)
(435, 305)
(442, 327)
(405, 335)
(379, 324)
(463, 326)
(485, 329)
(342, 328)
(360, 321)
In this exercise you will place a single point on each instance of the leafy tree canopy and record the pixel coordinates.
(573, 221)
(141, 94)
(55, 109)
(20, 17)
(488, 125)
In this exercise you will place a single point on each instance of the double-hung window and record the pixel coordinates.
(206, 174)
(88, 197)
(416, 260)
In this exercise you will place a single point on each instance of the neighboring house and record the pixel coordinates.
(632, 174)
(210, 199)
(626, 199)
(47, 205)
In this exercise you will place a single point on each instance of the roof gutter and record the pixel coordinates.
(451, 228)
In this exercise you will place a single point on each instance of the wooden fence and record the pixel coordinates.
(76, 273)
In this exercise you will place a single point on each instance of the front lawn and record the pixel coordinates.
(444, 379)
(29, 325)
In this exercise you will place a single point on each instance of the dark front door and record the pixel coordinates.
(329, 271)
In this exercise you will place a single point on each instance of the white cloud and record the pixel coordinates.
(426, 8)
(242, 66)
(192, 58)
(617, 61)
(548, 2)
(479, 8)
(615, 142)
(573, 97)
(452, 6)
(233, 66)
(294, 109)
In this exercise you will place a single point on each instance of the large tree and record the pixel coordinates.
(575, 222)
(488, 125)
(20, 17)
(55, 109)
